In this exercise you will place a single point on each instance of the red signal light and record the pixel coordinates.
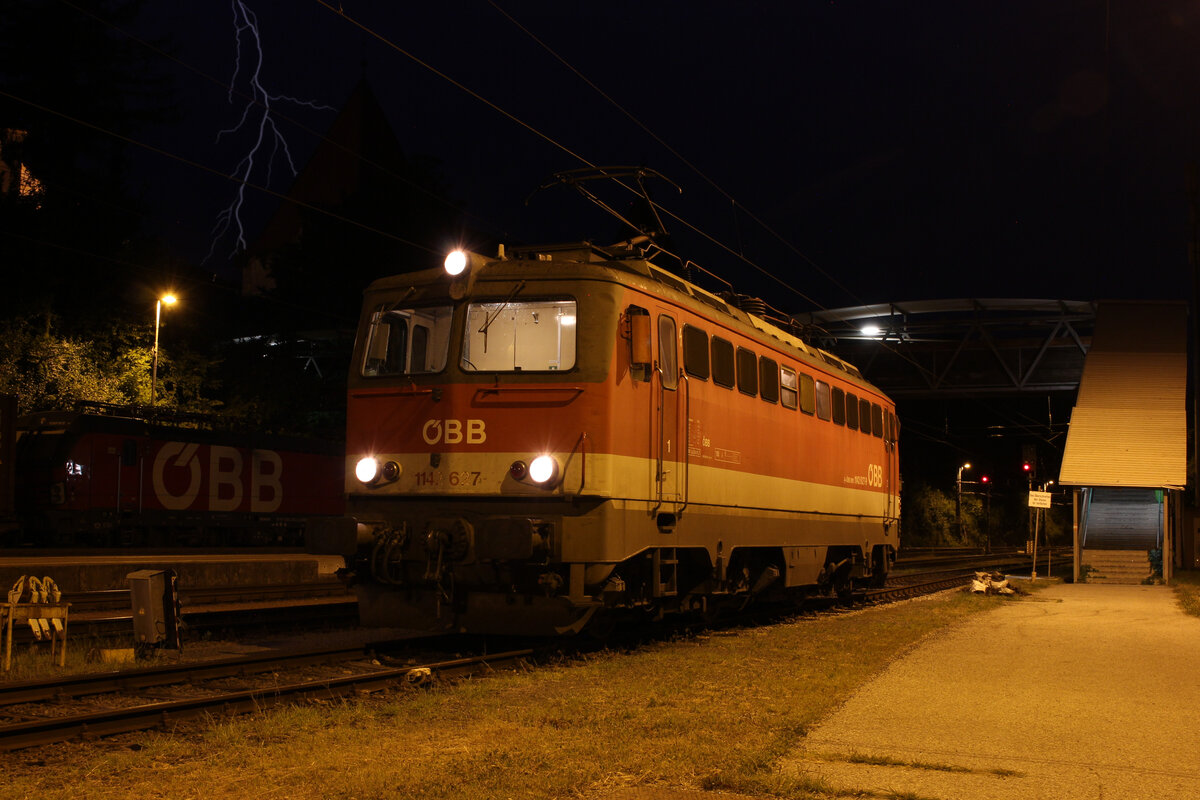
(1026, 466)
(984, 479)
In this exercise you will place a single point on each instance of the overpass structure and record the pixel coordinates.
(960, 348)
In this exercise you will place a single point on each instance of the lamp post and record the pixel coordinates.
(167, 299)
(958, 501)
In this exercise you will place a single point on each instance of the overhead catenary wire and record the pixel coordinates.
(267, 190)
(286, 198)
(364, 28)
(687, 162)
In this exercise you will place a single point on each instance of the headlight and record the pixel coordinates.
(371, 470)
(367, 469)
(543, 469)
(456, 262)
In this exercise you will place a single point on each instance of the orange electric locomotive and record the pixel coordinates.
(563, 435)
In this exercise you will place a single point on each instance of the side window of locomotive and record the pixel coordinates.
(129, 453)
(695, 352)
(808, 394)
(526, 336)
(723, 371)
(747, 372)
(851, 411)
(667, 347)
(839, 406)
(407, 341)
(864, 414)
(768, 379)
(387, 346)
(824, 404)
(420, 348)
(788, 393)
(877, 421)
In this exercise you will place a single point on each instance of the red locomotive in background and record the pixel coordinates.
(564, 436)
(104, 476)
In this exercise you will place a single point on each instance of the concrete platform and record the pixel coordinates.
(1079, 691)
(86, 573)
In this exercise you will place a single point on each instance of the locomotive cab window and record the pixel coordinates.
(407, 341)
(695, 352)
(723, 371)
(530, 336)
(864, 414)
(838, 406)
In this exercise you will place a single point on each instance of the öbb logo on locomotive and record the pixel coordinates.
(454, 431)
(177, 477)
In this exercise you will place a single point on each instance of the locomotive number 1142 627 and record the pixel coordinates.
(452, 479)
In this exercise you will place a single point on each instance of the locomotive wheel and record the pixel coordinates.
(844, 591)
(602, 625)
(879, 574)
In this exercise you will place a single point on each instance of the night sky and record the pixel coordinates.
(856, 152)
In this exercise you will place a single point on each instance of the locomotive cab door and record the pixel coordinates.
(666, 444)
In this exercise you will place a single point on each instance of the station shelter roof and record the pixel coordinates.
(1129, 424)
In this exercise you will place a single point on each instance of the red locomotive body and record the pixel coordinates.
(105, 477)
(571, 434)
(8, 439)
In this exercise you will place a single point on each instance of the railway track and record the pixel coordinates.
(1016, 558)
(108, 612)
(45, 712)
(108, 599)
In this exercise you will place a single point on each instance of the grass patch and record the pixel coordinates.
(31, 660)
(715, 712)
(1187, 590)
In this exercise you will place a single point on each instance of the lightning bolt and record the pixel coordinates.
(258, 118)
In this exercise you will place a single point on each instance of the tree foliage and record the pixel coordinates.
(47, 370)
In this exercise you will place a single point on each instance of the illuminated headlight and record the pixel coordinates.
(367, 469)
(543, 469)
(456, 262)
(371, 470)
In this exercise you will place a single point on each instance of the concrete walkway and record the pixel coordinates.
(1078, 691)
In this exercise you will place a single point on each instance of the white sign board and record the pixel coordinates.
(1039, 499)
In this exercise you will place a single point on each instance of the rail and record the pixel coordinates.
(114, 721)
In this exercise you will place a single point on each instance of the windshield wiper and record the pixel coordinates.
(492, 318)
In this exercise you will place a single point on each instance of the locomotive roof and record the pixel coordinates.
(546, 261)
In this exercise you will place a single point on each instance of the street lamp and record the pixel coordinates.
(958, 501)
(167, 299)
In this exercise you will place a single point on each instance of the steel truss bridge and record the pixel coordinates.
(960, 348)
